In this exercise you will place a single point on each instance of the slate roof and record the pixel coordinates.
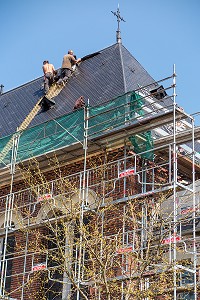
(109, 73)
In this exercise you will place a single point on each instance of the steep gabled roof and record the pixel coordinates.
(110, 73)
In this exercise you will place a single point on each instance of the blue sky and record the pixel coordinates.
(158, 33)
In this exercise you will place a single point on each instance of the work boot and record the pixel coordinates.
(59, 82)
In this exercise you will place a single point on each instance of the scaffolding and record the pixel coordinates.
(153, 136)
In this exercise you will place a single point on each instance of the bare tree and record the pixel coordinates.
(72, 244)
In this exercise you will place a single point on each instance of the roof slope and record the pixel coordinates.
(112, 72)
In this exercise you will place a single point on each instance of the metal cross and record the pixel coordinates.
(119, 18)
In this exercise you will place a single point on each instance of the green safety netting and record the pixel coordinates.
(69, 129)
(142, 142)
(136, 104)
(108, 116)
(48, 137)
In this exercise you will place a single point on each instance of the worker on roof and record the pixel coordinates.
(69, 60)
(49, 71)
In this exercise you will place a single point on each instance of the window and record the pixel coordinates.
(185, 296)
(8, 262)
(54, 286)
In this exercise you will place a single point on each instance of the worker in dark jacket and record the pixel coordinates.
(67, 66)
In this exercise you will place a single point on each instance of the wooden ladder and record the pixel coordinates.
(54, 90)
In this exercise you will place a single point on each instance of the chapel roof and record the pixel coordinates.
(100, 77)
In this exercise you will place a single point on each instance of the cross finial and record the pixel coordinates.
(119, 19)
(1, 89)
